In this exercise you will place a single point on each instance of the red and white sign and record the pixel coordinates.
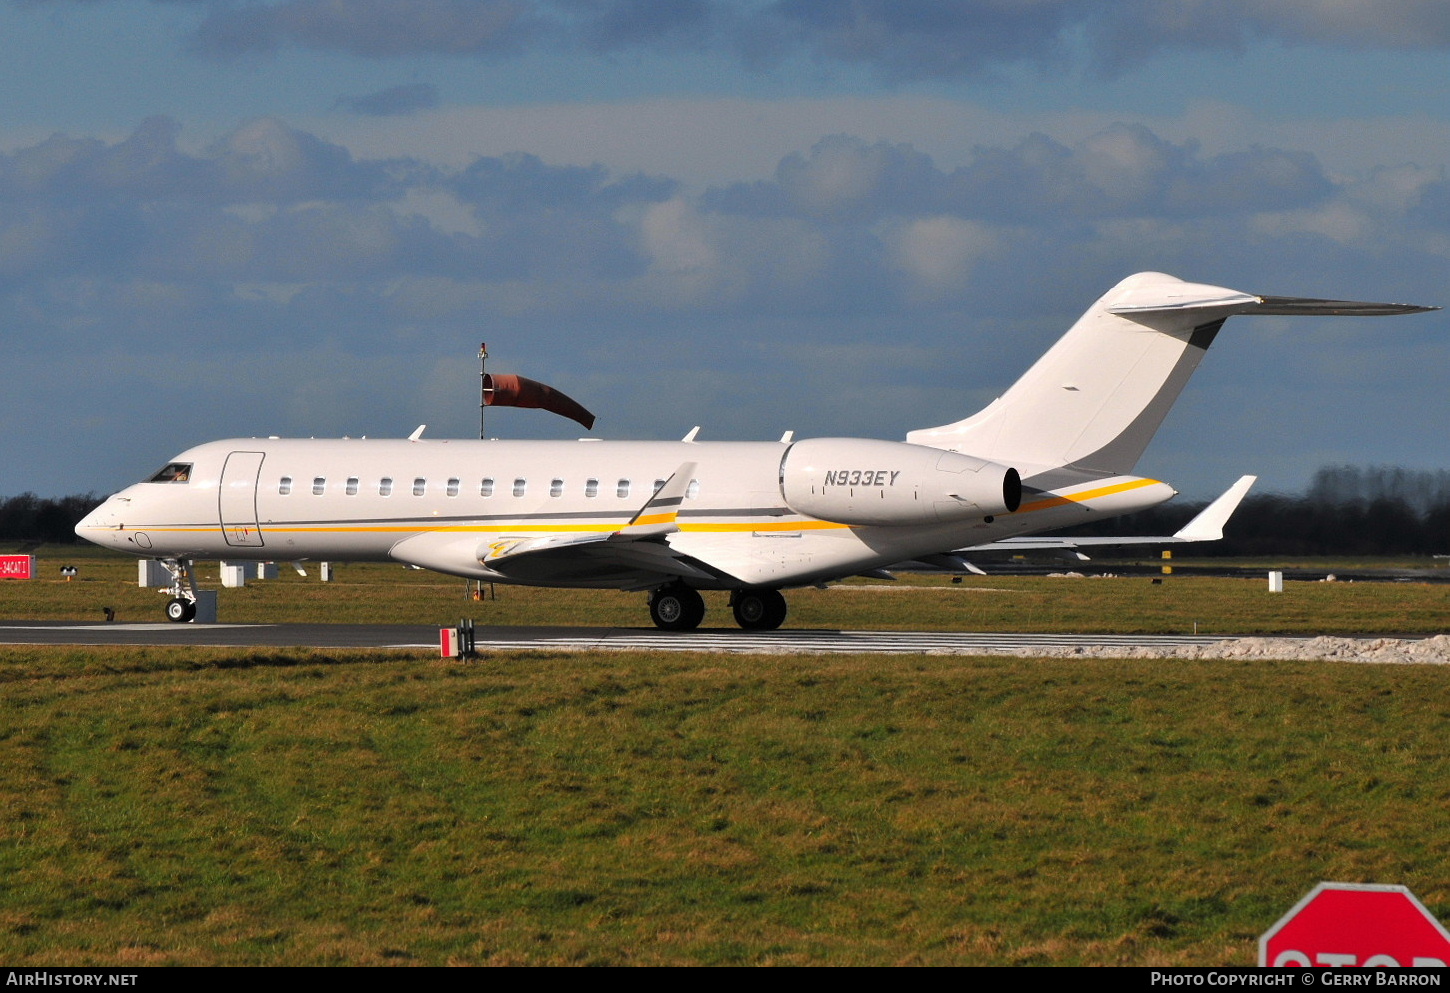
(1359, 924)
(448, 642)
(17, 566)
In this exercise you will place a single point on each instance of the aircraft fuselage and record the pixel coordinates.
(678, 517)
(441, 504)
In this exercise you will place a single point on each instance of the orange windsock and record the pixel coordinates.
(516, 391)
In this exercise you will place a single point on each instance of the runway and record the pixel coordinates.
(418, 637)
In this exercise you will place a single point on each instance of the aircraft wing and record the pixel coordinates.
(584, 558)
(653, 522)
(1207, 526)
(636, 554)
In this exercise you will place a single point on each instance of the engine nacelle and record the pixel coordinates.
(860, 481)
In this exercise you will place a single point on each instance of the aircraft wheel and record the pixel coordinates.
(676, 608)
(759, 610)
(180, 609)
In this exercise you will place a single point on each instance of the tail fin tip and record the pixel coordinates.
(1095, 399)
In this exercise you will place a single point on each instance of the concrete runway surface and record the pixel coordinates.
(565, 638)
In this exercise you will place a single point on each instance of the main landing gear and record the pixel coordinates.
(758, 610)
(182, 605)
(677, 607)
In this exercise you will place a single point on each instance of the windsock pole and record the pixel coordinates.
(482, 379)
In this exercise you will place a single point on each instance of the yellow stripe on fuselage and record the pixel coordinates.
(512, 528)
(1045, 503)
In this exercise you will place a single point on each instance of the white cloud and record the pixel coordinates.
(700, 141)
(937, 255)
(675, 238)
(440, 209)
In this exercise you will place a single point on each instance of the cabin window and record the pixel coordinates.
(175, 472)
(385, 486)
(420, 486)
(284, 485)
(319, 483)
(693, 490)
(485, 488)
(622, 490)
(352, 486)
(659, 485)
(556, 487)
(520, 486)
(591, 487)
(453, 487)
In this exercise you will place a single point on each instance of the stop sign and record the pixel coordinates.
(1356, 924)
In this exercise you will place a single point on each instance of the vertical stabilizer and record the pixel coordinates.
(1095, 400)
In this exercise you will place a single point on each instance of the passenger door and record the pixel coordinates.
(237, 498)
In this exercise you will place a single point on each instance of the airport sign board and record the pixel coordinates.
(17, 566)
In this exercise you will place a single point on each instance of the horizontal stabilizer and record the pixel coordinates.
(1227, 303)
(1184, 297)
(1305, 306)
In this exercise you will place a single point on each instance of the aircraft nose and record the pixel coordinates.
(101, 519)
(86, 523)
(89, 525)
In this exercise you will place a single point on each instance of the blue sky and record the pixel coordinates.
(299, 217)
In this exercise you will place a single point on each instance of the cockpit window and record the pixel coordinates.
(176, 472)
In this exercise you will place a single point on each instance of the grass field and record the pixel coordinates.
(305, 807)
(375, 593)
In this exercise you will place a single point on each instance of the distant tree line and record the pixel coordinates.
(30, 518)
(1348, 510)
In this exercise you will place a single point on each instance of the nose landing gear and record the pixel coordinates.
(180, 609)
(182, 605)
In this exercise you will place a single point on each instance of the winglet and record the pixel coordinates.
(1208, 525)
(657, 516)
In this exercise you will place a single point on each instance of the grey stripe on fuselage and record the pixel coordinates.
(433, 523)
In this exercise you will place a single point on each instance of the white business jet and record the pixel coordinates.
(674, 518)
